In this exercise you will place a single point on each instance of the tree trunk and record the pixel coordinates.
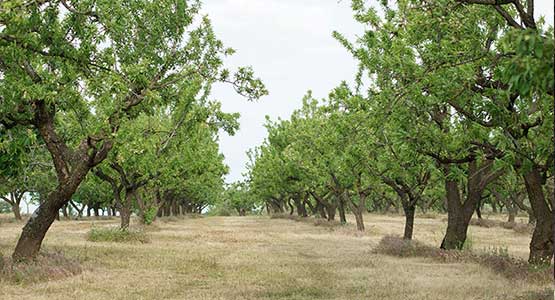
(459, 213)
(493, 207)
(457, 217)
(313, 209)
(321, 210)
(64, 212)
(125, 210)
(331, 212)
(341, 206)
(478, 211)
(541, 246)
(359, 220)
(16, 211)
(301, 209)
(357, 211)
(38, 224)
(409, 220)
(175, 210)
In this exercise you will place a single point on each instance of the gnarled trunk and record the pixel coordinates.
(34, 231)
(460, 213)
(458, 217)
(541, 246)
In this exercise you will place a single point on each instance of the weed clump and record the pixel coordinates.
(487, 223)
(521, 228)
(118, 235)
(396, 246)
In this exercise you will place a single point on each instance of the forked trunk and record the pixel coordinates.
(458, 217)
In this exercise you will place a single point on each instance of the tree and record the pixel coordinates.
(237, 196)
(76, 67)
(481, 93)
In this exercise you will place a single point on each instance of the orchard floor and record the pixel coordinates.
(262, 258)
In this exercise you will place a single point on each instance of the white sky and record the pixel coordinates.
(289, 45)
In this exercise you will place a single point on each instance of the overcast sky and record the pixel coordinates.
(289, 45)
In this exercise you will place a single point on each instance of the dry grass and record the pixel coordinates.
(263, 258)
(496, 259)
(47, 266)
(311, 220)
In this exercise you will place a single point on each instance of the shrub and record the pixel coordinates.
(117, 235)
(499, 260)
(46, 266)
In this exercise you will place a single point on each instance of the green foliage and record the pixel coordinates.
(5, 208)
(149, 215)
(116, 235)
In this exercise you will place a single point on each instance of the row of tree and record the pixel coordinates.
(452, 106)
(105, 104)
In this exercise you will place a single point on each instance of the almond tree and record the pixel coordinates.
(478, 76)
(98, 64)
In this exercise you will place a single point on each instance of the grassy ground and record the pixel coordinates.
(262, 258)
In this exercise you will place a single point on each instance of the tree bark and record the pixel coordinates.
(341, 206)
(16, 212)
(125, 210)
(409, 220)
(14, 200)
(301, 209)
(541, 246)
(458, 217)
(357, 211)
(291, 208)
(459, 213)
(34, 231)
(64, 212)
